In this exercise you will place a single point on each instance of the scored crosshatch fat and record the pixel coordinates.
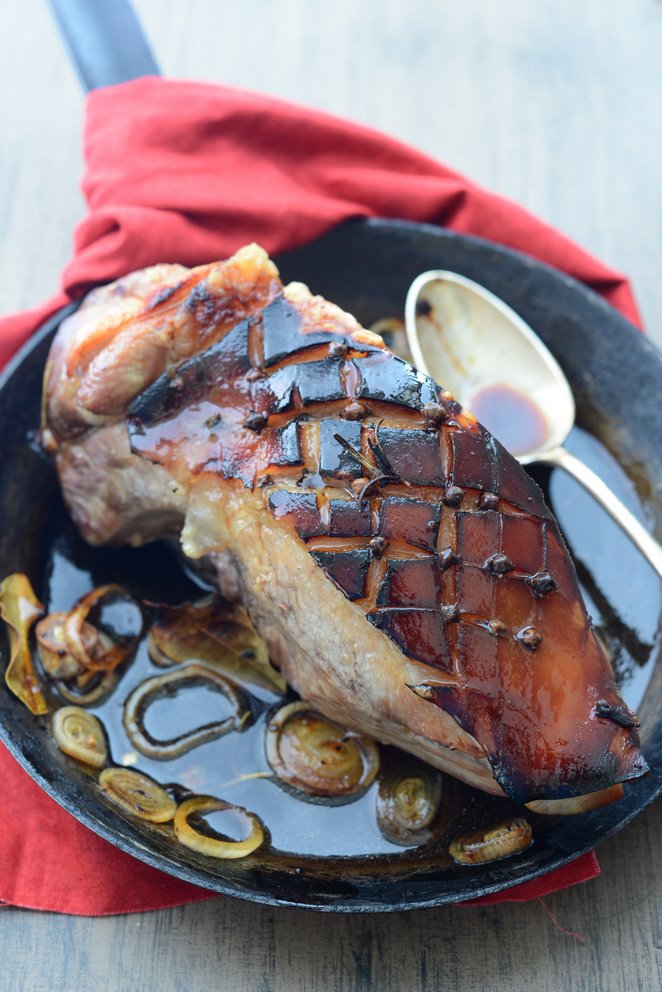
(402, 567)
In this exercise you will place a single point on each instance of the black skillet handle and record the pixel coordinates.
(105, 41)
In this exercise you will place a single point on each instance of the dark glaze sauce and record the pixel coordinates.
(626, 613)
(511, 416)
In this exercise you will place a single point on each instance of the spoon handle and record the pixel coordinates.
(649, 547)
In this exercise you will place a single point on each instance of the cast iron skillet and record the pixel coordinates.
(366, 267)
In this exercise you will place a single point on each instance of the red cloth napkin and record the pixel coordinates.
(187, 172)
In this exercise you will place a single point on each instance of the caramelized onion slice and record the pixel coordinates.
(311, 753)
(408, 800)
(92, 647)
(137, 794)
(74, 683)
(216, 847)
(493, 843)
(80, 735)
(55, 656)
(148, 691)
(216, 633)
(20, 609)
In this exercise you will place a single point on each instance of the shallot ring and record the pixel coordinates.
(141, 697)
(137, 794)
(308, 780)
(73, 631)
(408, 801)
(492, 843)
(80, 735)
(214, 847)
(55, 658)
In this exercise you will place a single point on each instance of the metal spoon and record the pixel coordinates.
(475, 345)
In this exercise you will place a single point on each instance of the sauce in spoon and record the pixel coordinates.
(511, 416)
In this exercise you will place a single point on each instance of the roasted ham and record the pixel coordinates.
(403, 568)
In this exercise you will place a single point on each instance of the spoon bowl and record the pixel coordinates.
(485, 354)
(479, 349)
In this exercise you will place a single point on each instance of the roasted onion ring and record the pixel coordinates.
(492, 843)
(80, 735)
(316, 756)
(137, 794)
(408, 800)
(56, 659)
(215, 847)
(102, 653)
(139, 700)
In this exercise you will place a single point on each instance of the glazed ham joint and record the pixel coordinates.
(402, 567)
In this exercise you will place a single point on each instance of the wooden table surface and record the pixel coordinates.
(558, 106)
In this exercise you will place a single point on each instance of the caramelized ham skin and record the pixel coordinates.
(403, 568)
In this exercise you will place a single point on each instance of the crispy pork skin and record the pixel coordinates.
(403, 568)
